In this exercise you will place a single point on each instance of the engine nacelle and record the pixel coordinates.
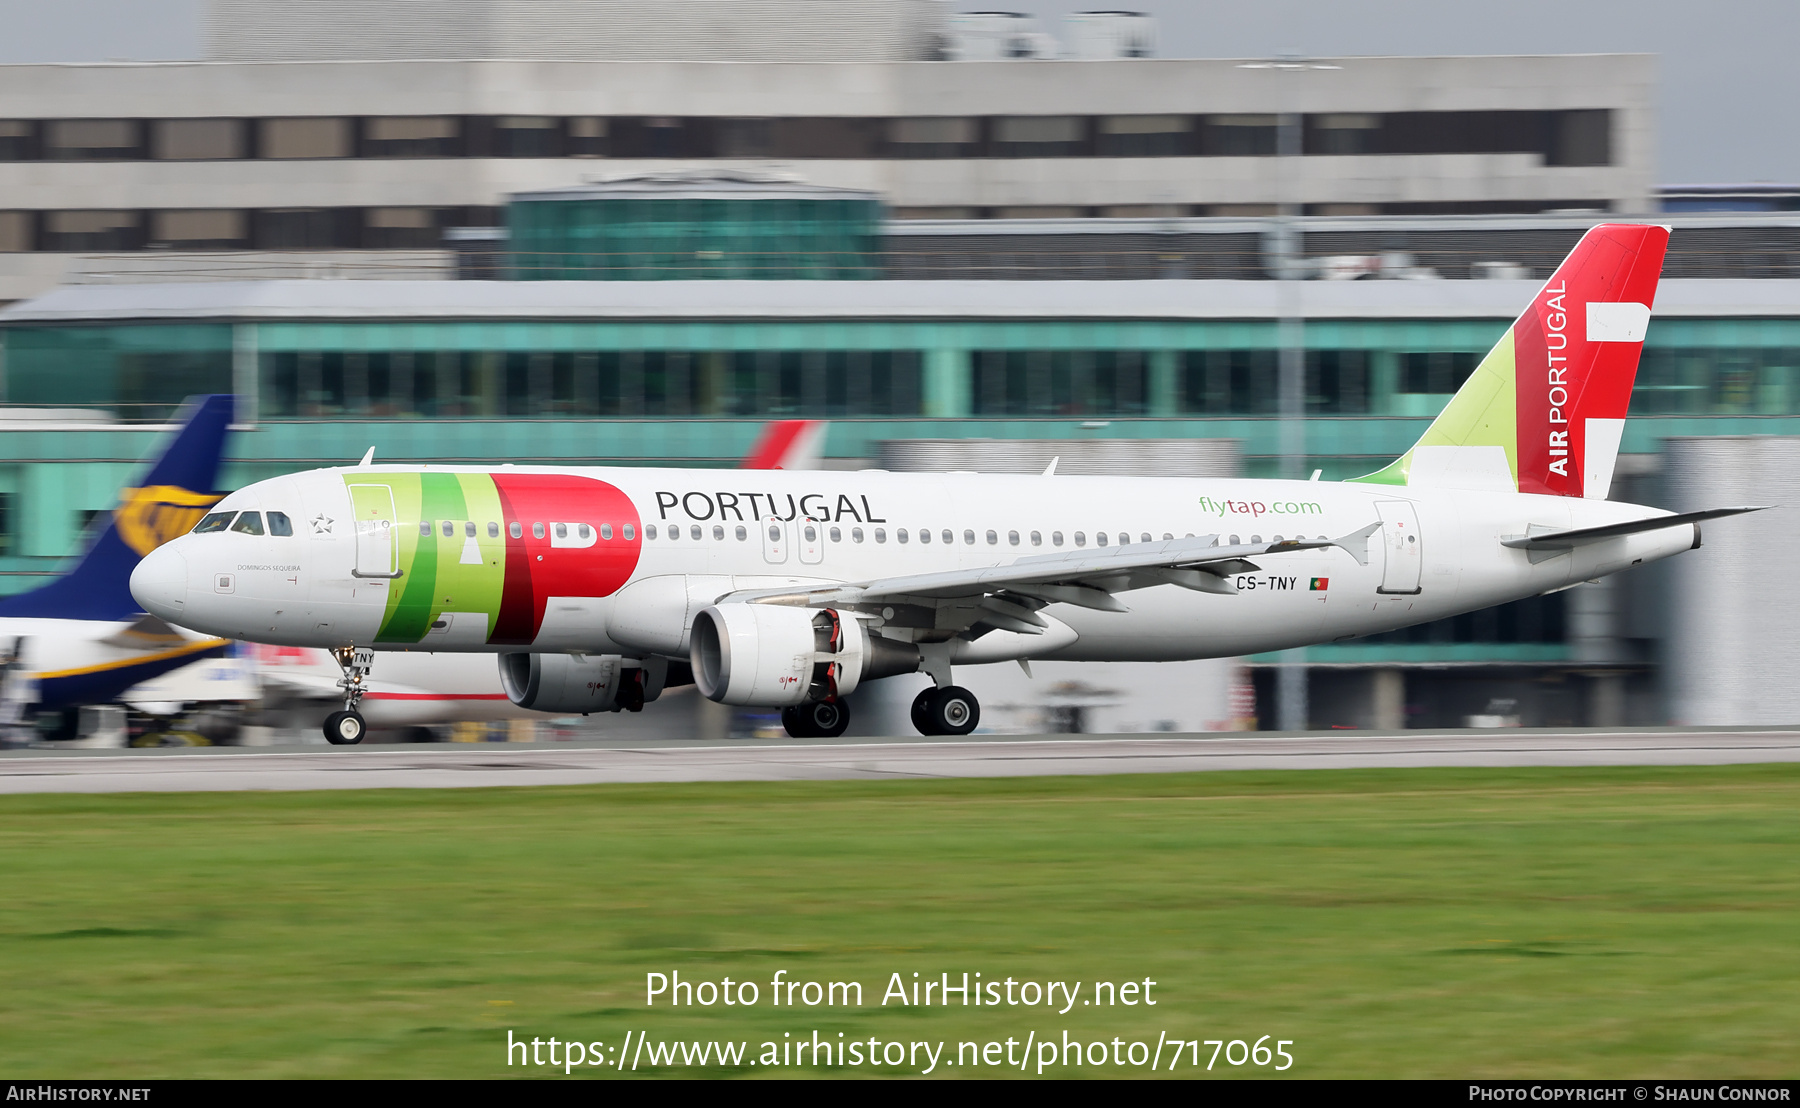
(774, 655)
(565, 684)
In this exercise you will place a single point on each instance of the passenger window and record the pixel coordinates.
(1235, 541)
(649, 532)
(562, 530)
(516, 530)
(774, 533)
(605, 531)
(1099, 538)
(718, 533)
(925, 534)
(1168, 537)
(694, 532)
(856, 534)
(1037, 538)
(1081, 538)
(248, 523)
(812, 533)
(1145, 537)
(993, 538)
(449, 529)
(279, 524)
(837, 535)
(218, 521)
(742, 535)
(1125, 540)
(1056, 538)
(537, 530)
(1256, 540)
(674, 532)
(899, 536)
(586, 532)
(881, 534)
(469, 529)
(1012, 538)
(631, 532)
(493, 530)
(950, 536)
(424, 528)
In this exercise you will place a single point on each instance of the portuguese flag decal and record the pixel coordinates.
(1320, 584)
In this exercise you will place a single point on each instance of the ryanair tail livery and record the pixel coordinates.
(83, 638)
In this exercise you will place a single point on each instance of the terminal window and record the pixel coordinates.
(91, 138)
(18, 140)
(412, 136)
(322, 137)
(184, 140)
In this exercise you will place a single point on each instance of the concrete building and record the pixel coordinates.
(353, 161)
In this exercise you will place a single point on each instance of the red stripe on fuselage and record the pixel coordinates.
(601, 569)
(513, 625)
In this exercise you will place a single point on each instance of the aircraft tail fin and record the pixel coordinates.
(168, 500)
(788, 444)
(1545, 410)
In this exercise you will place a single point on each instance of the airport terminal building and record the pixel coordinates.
(631, 250)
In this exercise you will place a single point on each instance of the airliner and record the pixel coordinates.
(81, 638)
(600, 587)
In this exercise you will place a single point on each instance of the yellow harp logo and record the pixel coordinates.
(149, 517)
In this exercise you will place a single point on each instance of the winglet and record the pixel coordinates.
(367, 457)
(1050, 470)
(1356, 543)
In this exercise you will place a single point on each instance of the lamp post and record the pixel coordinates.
(1290, 340)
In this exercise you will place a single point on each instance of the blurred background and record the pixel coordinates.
(625, 232)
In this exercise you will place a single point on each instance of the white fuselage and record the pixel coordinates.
(1437, 553)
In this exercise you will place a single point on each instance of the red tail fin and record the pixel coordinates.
(1576, 352)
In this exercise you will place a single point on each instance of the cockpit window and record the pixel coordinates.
(279, 524)
(248, 523)
(217, 521)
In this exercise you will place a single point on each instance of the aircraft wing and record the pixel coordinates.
(1009, 596)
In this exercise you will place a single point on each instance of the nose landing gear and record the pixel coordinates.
(346, 728)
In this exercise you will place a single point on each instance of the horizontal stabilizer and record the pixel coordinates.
(1555, 540)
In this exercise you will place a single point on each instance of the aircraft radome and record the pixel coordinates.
(599, 587)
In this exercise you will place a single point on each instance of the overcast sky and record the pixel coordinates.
(1730, 102)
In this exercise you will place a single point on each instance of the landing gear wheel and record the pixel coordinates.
(921, 712)
(344, 729)
(953, 711)
(822, 719)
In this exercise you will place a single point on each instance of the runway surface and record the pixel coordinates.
(228, 769)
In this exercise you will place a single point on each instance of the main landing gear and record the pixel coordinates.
(346, 728)
(821, 719)
(950, 710)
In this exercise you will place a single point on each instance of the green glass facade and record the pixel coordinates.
(527, 369)
(689, 238)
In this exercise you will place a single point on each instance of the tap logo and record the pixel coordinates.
(148, 517)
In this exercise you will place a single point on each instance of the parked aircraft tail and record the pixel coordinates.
(166, 502)
(788, 444)
(1545, 410)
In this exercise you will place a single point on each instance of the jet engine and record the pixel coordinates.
(567, 683)
(774, 655)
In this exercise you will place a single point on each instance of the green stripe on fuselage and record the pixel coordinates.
(436, 579)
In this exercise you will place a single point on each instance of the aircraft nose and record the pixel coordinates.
(160, 583)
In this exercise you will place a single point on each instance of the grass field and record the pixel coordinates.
(1455, 923)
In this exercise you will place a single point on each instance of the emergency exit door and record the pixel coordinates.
(1402, 545)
